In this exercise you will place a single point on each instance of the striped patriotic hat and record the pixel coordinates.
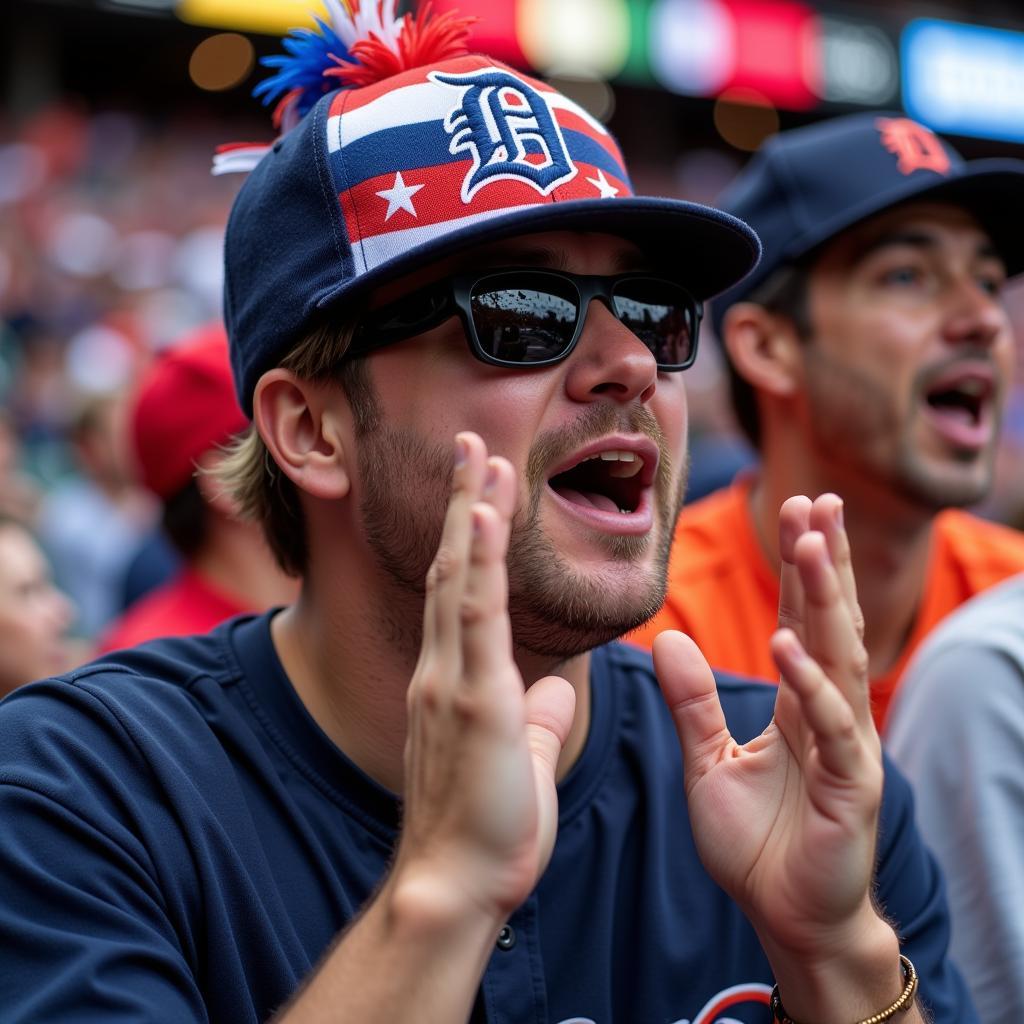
(423, 151)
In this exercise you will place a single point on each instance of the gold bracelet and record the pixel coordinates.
(901, 1005)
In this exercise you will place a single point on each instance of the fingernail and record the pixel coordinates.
(839, 515)
(461, 452)
(491, 478)
(476, 520)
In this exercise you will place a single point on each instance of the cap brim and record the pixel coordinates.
(706, 250)
(990, 189)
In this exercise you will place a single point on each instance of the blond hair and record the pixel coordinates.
(248, 472)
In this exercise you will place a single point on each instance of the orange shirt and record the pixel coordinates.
(723, 592)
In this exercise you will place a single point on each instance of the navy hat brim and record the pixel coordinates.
(991, 190)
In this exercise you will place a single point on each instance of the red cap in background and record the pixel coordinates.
(183, 406)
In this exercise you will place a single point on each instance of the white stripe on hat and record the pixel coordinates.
(417, 104)
(412, 104)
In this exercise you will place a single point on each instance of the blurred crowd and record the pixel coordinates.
(110, 247)
(110, 251)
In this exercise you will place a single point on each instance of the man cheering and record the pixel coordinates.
(432, 789)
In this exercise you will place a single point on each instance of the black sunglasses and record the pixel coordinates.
(535, 317)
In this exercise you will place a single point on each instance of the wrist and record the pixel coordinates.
(422, 904)
(847, 978)
(902, 1005)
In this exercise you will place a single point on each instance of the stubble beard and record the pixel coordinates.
(555, 611)
(856, 422)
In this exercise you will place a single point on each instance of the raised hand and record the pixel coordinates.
(480, 802)
(787, 822)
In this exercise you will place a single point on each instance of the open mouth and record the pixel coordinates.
(608, 479)
(965, 400)
(960, 404)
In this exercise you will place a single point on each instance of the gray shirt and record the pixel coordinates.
(957, 731)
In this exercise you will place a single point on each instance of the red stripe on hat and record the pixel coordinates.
(582, 187)
(340, 102)
(439, 200)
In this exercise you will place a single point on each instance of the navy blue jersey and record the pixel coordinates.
(180, 842)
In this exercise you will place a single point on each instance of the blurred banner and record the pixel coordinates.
(964, 79)
(274, 17)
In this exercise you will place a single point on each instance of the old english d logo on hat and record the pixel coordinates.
(916, 148)
(508, 129)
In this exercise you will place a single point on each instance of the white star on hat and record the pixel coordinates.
(399, 196)
(603, 185)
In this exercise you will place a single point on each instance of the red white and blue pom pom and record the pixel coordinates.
(299, 81)
(388, 47)
(360, 44)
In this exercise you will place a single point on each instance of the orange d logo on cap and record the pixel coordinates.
(915, 147)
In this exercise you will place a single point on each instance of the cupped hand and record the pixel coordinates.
(480, 809)
(787, 822)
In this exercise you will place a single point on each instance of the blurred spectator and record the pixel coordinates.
(183, 411)
(91, 525)
(957, 731)
(34, 614)
(871, 354)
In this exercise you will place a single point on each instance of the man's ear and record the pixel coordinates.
(302, 426)
(764, 348)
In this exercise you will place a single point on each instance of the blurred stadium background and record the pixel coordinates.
(110, 222)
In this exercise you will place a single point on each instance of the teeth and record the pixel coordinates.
(614, 456)
(972, 388)
(628, 463)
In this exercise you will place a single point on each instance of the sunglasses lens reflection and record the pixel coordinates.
(532, 318)
(521, 324)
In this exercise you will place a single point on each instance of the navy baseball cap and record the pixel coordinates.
(805, 186)
(382, 179)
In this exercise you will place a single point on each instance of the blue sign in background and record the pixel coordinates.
(964, 79)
